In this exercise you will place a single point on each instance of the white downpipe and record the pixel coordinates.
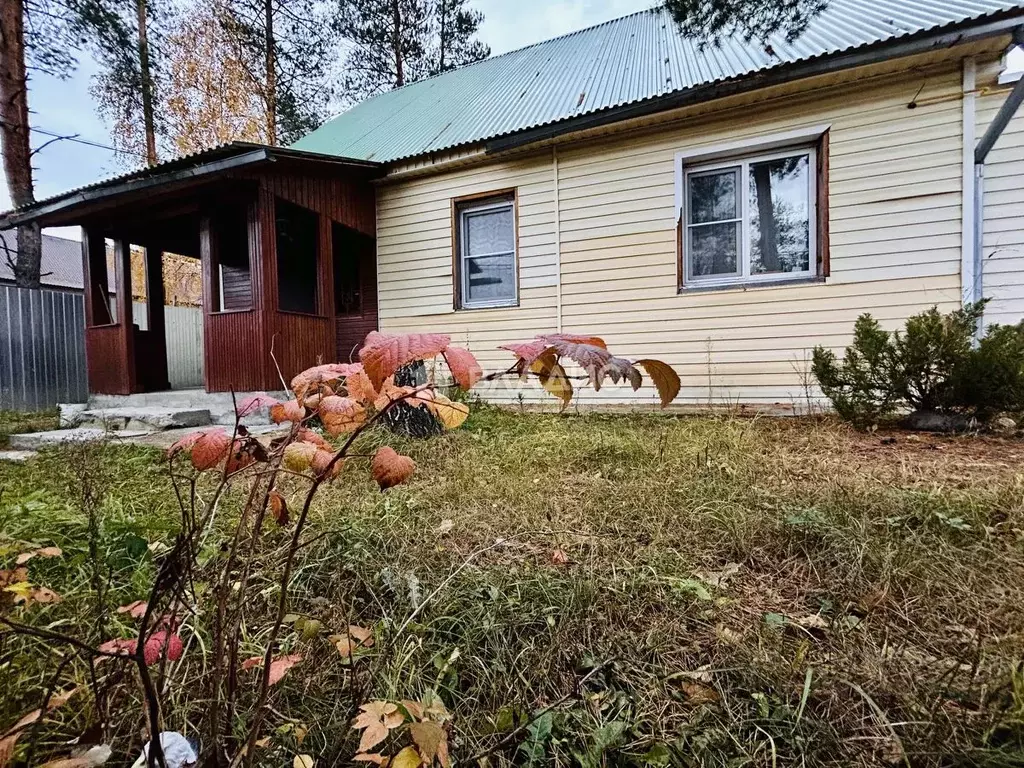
(558, 242)
(970, 277)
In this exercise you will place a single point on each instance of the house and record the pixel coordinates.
(60, 266)
(725, 208)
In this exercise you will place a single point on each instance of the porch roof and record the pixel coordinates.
(175, 174)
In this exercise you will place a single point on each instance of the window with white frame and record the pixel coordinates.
(750, 219)
(486, 252)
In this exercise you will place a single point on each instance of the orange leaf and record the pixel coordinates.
(289, 411)
(44, 595)
(448, 412)
(341, 414)
(279, 666)
(322, 460)
(306, 435)
(464, 367)
(358, 385)
(24, 557)
(312, 380)
(427, 737)
(385, 353)
(558, 557)
(390, 468)
(664, 378)
(279, 508)
(553, 378)
(389, 393)
(209, 449)
(242, 454)
(373, 735)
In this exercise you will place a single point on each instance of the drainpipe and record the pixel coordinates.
(988, 140)
(558, 242)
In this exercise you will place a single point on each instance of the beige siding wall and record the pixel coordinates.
(1003, 251)
(895, 213)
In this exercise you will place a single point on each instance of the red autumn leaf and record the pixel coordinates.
(183, 444)
(341, 414)
(154, 648)
(210, 449)
(464, 367)
(390, 468)
(664, 377)
(389, 393)
(306, 435)
(384, 353)
(136, 610)
(279, 508)
(311, 380)
(322, 460)
(243, 453)
(279, 666)
(253, 403)
(289, 411)
(527, 351)
(574, 338)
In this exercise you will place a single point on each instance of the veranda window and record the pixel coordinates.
(487, 253)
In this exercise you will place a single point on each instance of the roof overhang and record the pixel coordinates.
(965, 32)
(194, 170)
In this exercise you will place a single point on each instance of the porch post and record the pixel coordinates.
(123, 315)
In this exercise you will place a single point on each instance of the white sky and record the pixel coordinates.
(65, 107)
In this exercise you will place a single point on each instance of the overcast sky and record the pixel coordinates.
(65, 107)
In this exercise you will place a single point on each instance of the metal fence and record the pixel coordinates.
(42, 347)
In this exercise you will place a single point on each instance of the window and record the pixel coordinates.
(751, 220)
(234, 280)
(298, 235)
(486, 253)
(352, 250)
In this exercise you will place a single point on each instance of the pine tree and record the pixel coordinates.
(711, 20)
(390, 41)
(456, 25)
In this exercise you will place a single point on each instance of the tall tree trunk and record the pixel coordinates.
(271, 71)
(396, 43)
(442, 39)
(146, 84)
(14, 133)
(769, 240)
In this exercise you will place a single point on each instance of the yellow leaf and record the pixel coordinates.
(303, 761)
(448, 412)
(553, 378)
(664, 378)
(407, 758)
(341, 414)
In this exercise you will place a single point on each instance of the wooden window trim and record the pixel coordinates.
(821, 202)
(458, 203)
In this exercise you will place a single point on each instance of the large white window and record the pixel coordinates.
(486, 252)
(750, 219)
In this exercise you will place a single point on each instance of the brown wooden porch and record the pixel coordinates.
(287, 248)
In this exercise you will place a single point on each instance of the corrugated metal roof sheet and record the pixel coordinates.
(61, 264)
(631, 59)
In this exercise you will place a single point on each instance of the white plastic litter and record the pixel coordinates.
(178, 753)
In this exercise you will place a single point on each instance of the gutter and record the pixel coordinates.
(974, 289)
(821, 65)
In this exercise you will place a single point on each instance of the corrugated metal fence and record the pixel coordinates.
(42, 347)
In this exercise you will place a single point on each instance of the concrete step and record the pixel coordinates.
(219, 404)
(17, 457)
(33, 441)
(142, 418)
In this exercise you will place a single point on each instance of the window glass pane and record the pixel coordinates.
(489, 231)
(714, 250)
(490, 279)
(780, 216)
(713, 196)
(297, 255)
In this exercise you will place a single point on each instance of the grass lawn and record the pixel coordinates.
(14, 422)
(634, 590)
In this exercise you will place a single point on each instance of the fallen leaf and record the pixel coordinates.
(361, 634)
(24, 557)
(389, 468)
(559, 557)
(44, 595)
(426, 736)
(698, 693)
(445, 526)
(414, 708)
(718, 578)
(9, 738)
(464, 366)
(303, 761)
(813, 621)
(407, 758)
(279, 665)
(279, 508)
(136, 610)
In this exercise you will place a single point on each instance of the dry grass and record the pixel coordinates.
(738, 592)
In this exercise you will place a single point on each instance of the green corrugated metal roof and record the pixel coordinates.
(620, 62)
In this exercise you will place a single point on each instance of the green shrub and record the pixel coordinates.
(931, 366)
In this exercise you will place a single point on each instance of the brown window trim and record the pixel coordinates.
(821, 211)
(479, 197)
